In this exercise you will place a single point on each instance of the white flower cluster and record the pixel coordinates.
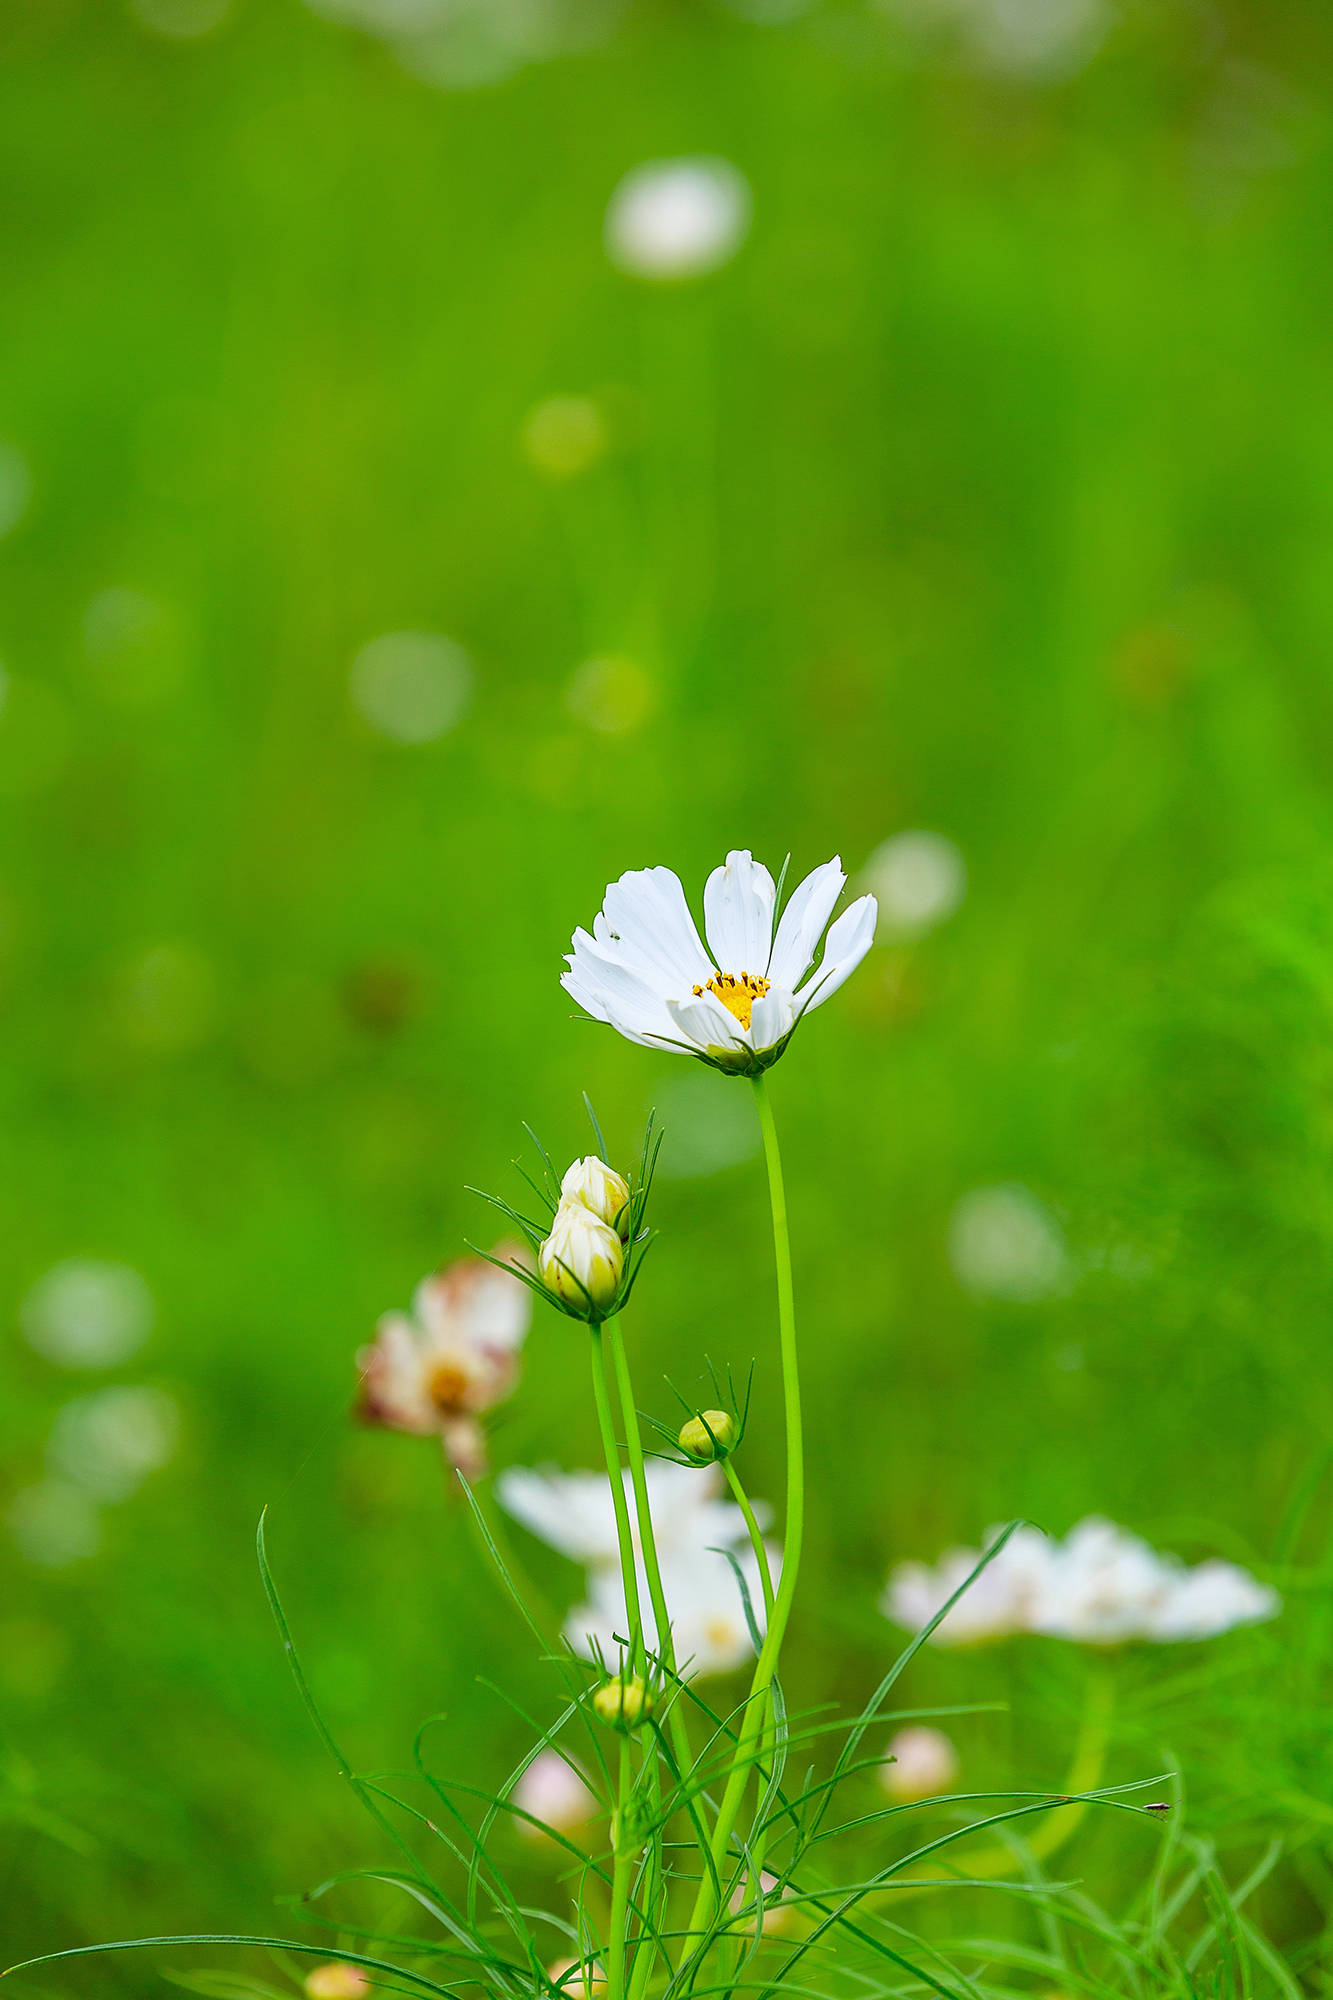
(1101, 1586)
(574, 1513)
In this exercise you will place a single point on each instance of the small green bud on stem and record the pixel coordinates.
(624, 1703)
(709, 1436)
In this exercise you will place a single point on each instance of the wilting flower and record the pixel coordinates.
(336, 1981)
(603, 1191)
(645, 971)
(920, 1762)
(582, 1260)
(435, 1371)
(554, 1792)
(677, 218)
(1101, 1585)
(574, 1512)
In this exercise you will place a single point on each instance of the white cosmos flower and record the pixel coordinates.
(434, 1371)
(673, 219)
(574, 1513)
(645, 970)
(1101, 1586)
(709, 1630)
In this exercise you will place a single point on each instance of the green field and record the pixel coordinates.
(987, 490)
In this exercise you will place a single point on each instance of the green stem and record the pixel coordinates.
(624, 1534)
(748, 1746)
(615, 1957)
(647, 1539)
(742, 1499)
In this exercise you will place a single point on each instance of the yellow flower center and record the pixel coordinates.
(447, 1388)
(737, 991)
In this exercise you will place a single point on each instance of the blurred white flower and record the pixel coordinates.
(553, 1791)
(1101, 1586)
(709, 1630)
(411, 686)
(778, 1911)
(109, 1442)
(645, 971)
(574, 1512)
(15, 487)
(677, 218)
(1005, 1244)
(336, 1981)
(1002, 1600)
(1040, 39)
(84, 1314)
(920, 1763)
(612, 694)
(918, 879)
(54, 1524)
(434, 1372)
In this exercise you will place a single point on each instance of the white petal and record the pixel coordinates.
(848, 942)
(571, 1511)
(808, 910)
(772, 1016)
(645, 912)
(738, 914)
(706, 1023)
(611, 991)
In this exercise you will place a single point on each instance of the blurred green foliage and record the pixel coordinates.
(988, 490)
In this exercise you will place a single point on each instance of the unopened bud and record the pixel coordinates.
(624, 1703)
(603, 1191)
(582, 1260)
(709, 1436)
(336, 1981)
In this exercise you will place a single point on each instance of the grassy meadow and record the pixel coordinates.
(986, 490)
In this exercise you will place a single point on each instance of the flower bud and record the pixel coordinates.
(710, 1436)
(601, 1189)
(924, 1762)
(581, 1260)
(336, 1981)
(624, 1703)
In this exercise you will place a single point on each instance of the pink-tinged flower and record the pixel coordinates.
(553, 1791)
(778, 1912)
(921, 1762)
(336, 1981)
(435, 1371)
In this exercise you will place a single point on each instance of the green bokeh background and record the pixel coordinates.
(989, 490)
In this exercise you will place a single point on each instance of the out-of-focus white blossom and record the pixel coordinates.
(1040, 39)
(555, 1793)
(918, 879)
(1101, 1586)
(671, 219)
(85, 1314)
(109, 1442)
(336, 1981)
(1005, 1244)
(778, 1911)
(574, 1512)
(411, 686)
(920, 1762)
(709, 1630)
(435, 1371)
